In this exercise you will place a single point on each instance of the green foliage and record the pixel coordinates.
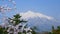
(58, 27)
(3, 31)
(52, 27)
(49, 32)
(17, 20)
(33, 30)
(55, 31)
(17, 16)
(19, 33)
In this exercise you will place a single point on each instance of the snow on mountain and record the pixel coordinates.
(30, 14)
(41, 21)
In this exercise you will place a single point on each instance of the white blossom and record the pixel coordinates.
(16, 28)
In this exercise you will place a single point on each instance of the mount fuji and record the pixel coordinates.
(41, 21)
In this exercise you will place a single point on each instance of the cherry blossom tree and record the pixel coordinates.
(14, 25)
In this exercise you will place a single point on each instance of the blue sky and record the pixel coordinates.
(48, 7)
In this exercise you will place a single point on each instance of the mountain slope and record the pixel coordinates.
(41, 21)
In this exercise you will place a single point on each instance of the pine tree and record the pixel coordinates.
(16, 21)
(17, 26)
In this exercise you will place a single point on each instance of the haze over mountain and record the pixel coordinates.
(41, 21)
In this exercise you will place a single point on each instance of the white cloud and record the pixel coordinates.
(30, 14)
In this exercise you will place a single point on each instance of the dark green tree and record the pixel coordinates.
(58, 27)
(16, 20)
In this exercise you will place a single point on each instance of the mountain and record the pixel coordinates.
(42, 24)
(31, 14)
(41, 21)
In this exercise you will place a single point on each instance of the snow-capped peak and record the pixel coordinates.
(31, 14)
